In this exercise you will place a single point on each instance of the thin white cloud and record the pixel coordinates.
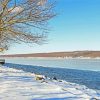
(42, 2)
(16, 9)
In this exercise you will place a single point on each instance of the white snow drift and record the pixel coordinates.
(20, 85)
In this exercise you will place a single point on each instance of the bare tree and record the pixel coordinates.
(20, 18)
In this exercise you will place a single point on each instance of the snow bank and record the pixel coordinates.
(17, 85)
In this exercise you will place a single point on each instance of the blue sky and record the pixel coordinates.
(77, 27)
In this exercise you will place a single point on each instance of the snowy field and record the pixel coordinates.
(20, 85)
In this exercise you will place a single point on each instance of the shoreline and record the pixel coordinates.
(70, 75)
(50, 58)
(52, 89)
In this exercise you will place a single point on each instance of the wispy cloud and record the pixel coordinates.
(42, 2)
(16, 9)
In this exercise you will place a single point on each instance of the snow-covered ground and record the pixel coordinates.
(20, 85)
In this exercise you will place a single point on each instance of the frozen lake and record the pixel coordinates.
(81, 71)
(81, 64)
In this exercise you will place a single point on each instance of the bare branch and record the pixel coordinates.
(19, 17)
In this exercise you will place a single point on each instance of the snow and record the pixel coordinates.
(17, 85)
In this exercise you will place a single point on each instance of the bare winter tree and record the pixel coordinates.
(18, 18)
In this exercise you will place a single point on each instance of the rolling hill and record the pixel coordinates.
(74, 54)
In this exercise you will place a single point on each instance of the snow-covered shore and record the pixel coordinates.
(17, 85)
(52, 58)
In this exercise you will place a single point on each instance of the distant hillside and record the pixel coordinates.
(92, 54)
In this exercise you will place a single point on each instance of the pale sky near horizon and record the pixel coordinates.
(77, 27)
